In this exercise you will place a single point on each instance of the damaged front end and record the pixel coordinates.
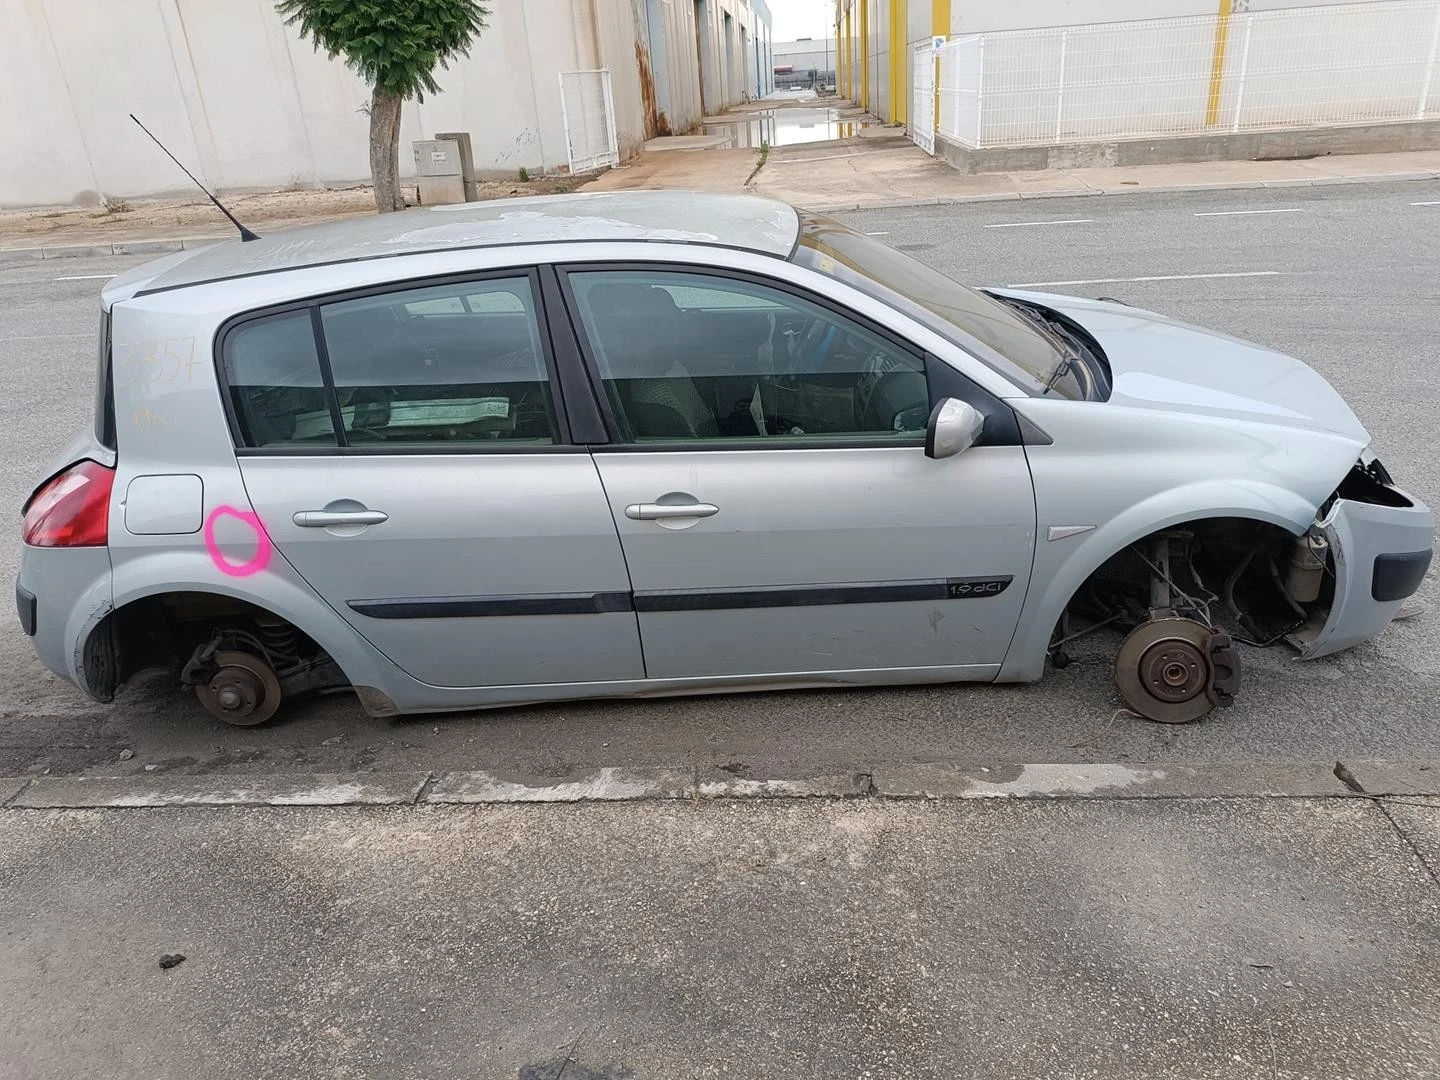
(1187, 595)
(1378, 544)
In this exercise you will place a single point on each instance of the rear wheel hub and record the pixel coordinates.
(243, 691)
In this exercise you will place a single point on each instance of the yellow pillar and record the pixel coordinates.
(899, 63)
(865, 54)
(851, 90)
(940, 18)
(1217, 63)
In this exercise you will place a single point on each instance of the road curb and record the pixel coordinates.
(852, 205)
(118, 247)
(322, 789)
(186, 243)
(1075, 782)
(1206, 781)
(590, 785)
(1381, 778)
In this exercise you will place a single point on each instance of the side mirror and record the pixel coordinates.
(954, 426)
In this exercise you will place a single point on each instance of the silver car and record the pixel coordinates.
(640, 444)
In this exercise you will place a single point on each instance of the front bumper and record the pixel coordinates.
(1380, 545)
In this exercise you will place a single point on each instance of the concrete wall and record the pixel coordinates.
(245, 103)
(869, 81)
(972, 17)
(1312, 67)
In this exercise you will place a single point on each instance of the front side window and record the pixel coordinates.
(446, 366)
(693, 356)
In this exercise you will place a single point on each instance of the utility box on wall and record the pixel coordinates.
(438, 172)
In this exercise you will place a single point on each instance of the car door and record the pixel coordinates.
(768, 478)
(405, 451)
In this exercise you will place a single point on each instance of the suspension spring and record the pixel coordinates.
(278, 637)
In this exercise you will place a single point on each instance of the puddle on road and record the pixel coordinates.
(787, 127)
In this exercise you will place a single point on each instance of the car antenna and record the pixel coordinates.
(245, 234)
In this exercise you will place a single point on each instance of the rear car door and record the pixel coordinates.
(769, 481)
(407, 452)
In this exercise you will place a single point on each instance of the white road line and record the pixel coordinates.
(1238, 213)
(1022, 224)
(1436, 203)
(1155, 277)
(877, 234)
(86, 277)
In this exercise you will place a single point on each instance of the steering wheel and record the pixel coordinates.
(794, 329)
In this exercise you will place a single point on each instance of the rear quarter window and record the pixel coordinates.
(277, 391)
(105, 389)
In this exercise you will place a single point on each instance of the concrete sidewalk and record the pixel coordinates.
(1204, 940)
(147, 226)
(878, 168)
(888, 170)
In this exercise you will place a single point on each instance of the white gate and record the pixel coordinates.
(589, 111)
(922, 108)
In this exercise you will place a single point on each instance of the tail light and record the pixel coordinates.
(72, 509)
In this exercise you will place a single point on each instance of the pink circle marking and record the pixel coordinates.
(263, 547)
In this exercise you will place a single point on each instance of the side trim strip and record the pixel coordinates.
(480, 607)
(885, 592)
(776, 596)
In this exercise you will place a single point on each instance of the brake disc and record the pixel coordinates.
(243, 691)
(1164, 670)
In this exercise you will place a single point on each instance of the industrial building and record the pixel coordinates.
(247, 104)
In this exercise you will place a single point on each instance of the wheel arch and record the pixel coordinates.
(1059, 575)
(279, 592)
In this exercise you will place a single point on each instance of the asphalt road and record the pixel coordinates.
(1345, 277)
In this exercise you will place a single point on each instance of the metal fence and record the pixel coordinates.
(922, 97)
(589, 110)
(1301, 67)
(809, 79)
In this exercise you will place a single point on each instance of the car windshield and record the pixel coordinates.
(938, 301)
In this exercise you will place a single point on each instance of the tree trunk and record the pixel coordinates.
(385, 150)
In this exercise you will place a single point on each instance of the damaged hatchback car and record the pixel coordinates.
(637, 444)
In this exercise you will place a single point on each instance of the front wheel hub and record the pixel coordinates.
(1176, 670)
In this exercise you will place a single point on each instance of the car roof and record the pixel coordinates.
(736, 221)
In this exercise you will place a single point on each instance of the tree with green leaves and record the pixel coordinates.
(395, 46)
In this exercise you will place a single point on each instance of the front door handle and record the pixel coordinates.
(662, 511)
(326, 519)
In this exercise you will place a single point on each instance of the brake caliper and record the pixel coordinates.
(1224, 681)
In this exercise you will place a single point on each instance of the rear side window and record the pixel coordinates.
(449, 366)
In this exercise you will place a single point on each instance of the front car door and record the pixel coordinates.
(404, 450)
(776, 508)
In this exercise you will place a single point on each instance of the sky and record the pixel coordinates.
(791, 19)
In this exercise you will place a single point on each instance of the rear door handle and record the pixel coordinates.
(325, 519)
(661, 511)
